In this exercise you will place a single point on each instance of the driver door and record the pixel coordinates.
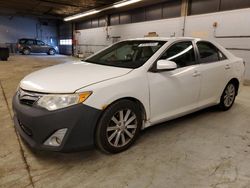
(175, 92)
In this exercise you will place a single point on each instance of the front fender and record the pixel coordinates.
(132, 85)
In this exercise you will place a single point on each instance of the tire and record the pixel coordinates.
(51, 52)
(228, 96)
(112, 134)
(26, 51)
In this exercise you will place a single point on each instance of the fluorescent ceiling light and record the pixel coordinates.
(81, 15)
(125, 3)
(91, 12)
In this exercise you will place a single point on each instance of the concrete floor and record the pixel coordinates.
(205, 149)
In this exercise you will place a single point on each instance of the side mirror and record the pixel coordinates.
(166, 65)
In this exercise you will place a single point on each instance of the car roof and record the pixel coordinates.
(166, 38)
(26, 39)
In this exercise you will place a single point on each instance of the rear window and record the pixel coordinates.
(209, 53)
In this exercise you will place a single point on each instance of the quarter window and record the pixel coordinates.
(181, 53)
(209, 53)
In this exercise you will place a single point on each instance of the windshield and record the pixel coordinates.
(127, 54)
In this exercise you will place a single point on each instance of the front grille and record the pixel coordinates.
(25, 129)
(27, 97)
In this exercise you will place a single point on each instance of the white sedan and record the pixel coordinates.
(107, 99)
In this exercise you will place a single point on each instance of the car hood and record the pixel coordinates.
(69, 77)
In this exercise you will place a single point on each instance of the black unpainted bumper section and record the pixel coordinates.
(36, 125)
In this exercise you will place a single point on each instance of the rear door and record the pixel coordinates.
(215, 71)
(30, 44)
(41, 47)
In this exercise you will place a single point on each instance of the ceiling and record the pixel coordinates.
(50, 8)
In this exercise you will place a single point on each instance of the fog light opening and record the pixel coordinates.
(56, 139)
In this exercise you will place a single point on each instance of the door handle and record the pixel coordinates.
(227, 67)
(196, 74)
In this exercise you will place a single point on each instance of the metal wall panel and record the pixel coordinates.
(115, 19)
(172, 9)
(102, 21)
(166, 9)
(94, 23)
(84, 25)
(138, 15)
(65, 32)
(125, 18)
(203, 6)
(234, 4)
(154, 12)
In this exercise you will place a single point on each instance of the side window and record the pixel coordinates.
(209, 53)
(181, 53)
(30, 42)
(41, 43)
(22, 41)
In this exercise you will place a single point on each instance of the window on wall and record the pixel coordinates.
(234, 4)
(172, 9)
(207, 6)
(84, 25)
(165, 9)
(114, 19)
(102, 21)
(203, 6)
(125, 18)
(94, 23)
(154, 12)
(138, 15)
(65, 42)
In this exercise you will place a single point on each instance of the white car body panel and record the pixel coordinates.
(164, 95)
(133, 85)
(69, 77)
(171, 94)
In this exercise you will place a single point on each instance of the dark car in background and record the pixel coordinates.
(4, 54)
(27, 46)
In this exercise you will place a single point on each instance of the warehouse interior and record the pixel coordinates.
(208, 148)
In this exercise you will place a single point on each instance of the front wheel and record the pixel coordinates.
(118, 127)
(228, 96)
(51, 52)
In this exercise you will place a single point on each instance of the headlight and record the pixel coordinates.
(55, 102)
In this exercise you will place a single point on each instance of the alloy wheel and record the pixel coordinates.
(229, 95)
(122, 127)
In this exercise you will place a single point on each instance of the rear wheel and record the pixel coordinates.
(26, 51)
(228, 96)
(118, 127)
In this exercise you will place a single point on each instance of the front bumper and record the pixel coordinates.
(35, 125)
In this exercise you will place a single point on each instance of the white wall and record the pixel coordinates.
(98, 36)
(230, 23)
